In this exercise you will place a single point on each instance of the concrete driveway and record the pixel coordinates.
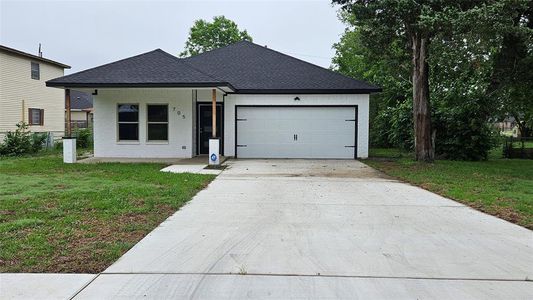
(322, 229)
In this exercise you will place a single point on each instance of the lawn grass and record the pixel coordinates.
(501, 187)
(57, 217)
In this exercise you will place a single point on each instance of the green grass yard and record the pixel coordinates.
(80, 218)
(501, 187)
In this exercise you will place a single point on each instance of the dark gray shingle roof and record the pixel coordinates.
(244, 66)
(80, 100)
(154, 68)
(252, 68)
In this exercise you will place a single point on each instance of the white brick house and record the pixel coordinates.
(268, 105)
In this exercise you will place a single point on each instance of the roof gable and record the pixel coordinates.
(253, 68)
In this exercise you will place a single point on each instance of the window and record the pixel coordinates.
(158, 122)
(36, 116)
(35, 73)
(128, 122)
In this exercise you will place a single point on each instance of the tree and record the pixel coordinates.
(205, 36)
(511, 81)
(418, 22)
(390, 121)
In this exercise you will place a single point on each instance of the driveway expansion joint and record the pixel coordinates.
(84, 286)
(318, 275)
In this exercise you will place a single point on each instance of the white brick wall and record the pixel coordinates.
(182, 129)
(106, 142)
(361, 100)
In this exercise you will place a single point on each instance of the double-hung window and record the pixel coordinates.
(128, 122)
(157, 122)
(35, 71)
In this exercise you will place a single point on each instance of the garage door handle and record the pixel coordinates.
(295, 137)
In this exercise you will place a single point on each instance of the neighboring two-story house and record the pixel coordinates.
(24, 95)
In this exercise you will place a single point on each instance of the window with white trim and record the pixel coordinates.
(128, 122)
(157, 122)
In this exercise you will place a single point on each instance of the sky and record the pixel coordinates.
(85, 34)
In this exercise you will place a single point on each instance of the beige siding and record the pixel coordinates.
(16, 87)
(77, 115)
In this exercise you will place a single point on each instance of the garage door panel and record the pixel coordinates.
(322, 132)
(262, 136)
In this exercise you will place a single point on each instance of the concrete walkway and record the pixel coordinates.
(40, 286)
(281, 229)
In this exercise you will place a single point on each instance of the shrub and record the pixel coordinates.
(37, 143)
(393, 126)
(17, 142)
(84, 138)
(22, 141)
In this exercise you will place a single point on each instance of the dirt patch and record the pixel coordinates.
(97, 243)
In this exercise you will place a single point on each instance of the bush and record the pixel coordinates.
(38, 140)
(17, 142)
(84, 138)
(463, 132)
(393, 127)
(22, 141)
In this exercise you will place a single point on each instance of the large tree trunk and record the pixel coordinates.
(421, 111)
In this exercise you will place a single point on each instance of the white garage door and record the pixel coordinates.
(296, 132)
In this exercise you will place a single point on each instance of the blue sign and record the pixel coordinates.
(213, 157)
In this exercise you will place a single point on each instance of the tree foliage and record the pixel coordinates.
(466, 37)
(511, 81)
(205, 36)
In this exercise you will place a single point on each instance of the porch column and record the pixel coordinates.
(69, 142)
(67, 106)
(214, 143)
(214, 112)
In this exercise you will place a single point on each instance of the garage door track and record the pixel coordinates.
(322, 229)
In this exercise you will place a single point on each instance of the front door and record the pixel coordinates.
(205, 129)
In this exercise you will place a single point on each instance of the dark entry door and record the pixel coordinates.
(205, 129)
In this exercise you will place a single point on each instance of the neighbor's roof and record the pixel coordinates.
(256, 69)
(152, 69)
(33, 57)
(243, 66)
(80, 100)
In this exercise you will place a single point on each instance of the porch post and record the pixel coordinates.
(214, 113)
(214, 143)
(69, 142)
(67, 106)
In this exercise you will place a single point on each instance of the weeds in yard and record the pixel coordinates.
(57, 217)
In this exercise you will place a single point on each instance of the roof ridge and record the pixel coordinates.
(111, 63)
(219, 48)
(311, 64)
(181, 60)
